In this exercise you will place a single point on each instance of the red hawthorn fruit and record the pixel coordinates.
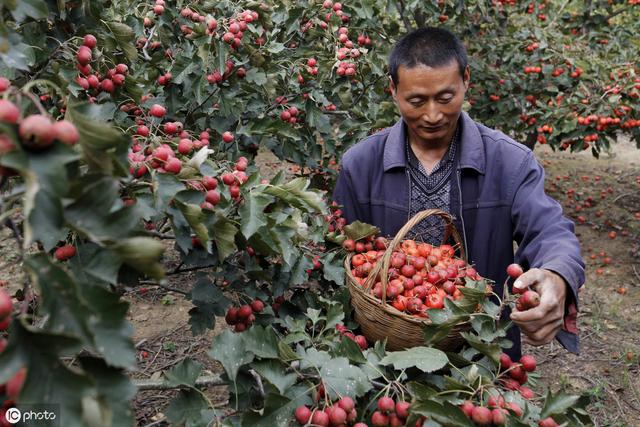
(481, 415)
(240, 327)
(157, 110)
(515, 408)
(528, 363)
(212, 197)
(234, 191)
(529, 299)
(4, 324)
(185, 146)
(3, 344)
(517, 373)
(173, 165)
(66, 132)
(514, 270)
(379, 419)
(36, 131)
(122, 69)
(227, 137)
(361, 341)
(232, 316)
(303, 415)
(9, 112)
(245, 311)
(4, 84)
(527, 393)
(505, 361)
(107, 86)
(84, 55)
(320, 418)
(498, 417)
(257, 306)
(345, 403)
(90, 41)
(228, 179)
(402, 409)
(14, 385)
(209, 182)
(65, 252)
(386, 404)
(337, 415)
(6, 306)
(395, 421)
(349, 245)
(547, 422)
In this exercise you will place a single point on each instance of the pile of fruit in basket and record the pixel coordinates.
(420, 276)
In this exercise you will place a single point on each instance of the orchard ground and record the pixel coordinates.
(607, 368)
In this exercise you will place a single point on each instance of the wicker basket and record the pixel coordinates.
(379, 320)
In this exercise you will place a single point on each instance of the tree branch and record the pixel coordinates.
(205, 381)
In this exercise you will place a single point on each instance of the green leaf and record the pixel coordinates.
(141, 253)
(351, 350)
(195, 217)
(274, 372)
(261, 341)
(491, 350)
(257, 77)
(332, 268)
(286, 353)
(94, 134)
(342, 379)
(358, 230)
(224, 233)
(186, 408)
(252, 213)
(277, 412)
(446, 413)
(36, 9)
(426, 359)
(184, 373)
(295, 193)
(230, 350)
(557, 403)
(421, 391)
(125, 37)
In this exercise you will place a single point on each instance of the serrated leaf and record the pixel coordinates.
(261, 341)
(491, 350)
(274, 372)
(195, 217)
(256, 76)
(557, 403)
(343, 379)
(94, 134)
(277, 412)
(333, 268)
(446, 413)
(350, 349)
(230, 350)
(36, 9)
(286, 353)
(124, 36)
(184, 373)
(186, 408)
(252, 213)
(224, 233)
(426, 359)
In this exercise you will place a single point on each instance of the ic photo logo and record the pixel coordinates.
(13, 415)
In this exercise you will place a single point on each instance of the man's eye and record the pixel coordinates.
(445, 99)
(416, 102)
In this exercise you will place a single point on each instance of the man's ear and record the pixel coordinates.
(392, 86)
(466, 77)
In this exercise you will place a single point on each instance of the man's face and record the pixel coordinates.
(430, 101)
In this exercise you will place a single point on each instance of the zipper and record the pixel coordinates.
(464, 234)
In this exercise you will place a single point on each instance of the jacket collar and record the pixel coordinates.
(471, 146)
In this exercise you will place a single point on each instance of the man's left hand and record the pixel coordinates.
(540, 324)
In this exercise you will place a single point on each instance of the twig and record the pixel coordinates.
(205, 381)
(162, 236)
(190, 269)
(163, 286)
(624, 195)
(618, 12)
(144, 48)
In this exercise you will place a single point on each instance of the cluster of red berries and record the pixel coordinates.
(337, 414)
(114, 77)
(232, 179)
(242, 317)
(290, 115)
(531, 47)
(517, 373)
(336, 8)
(390, 413)
(237, 26)
(358, 339)
(527, 298)
(217, 78)
(529, 69)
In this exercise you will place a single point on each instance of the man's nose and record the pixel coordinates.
(432, 113)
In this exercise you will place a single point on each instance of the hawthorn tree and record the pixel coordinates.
(127, 124)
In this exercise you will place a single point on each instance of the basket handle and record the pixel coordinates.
(383, 267)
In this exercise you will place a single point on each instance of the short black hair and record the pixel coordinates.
(430, 46)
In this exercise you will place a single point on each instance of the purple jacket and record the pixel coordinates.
(497, 197)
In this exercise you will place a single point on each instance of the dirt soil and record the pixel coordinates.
(607, 367)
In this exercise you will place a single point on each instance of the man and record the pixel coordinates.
(436, 156)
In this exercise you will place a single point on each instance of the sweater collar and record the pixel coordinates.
(471, 148)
